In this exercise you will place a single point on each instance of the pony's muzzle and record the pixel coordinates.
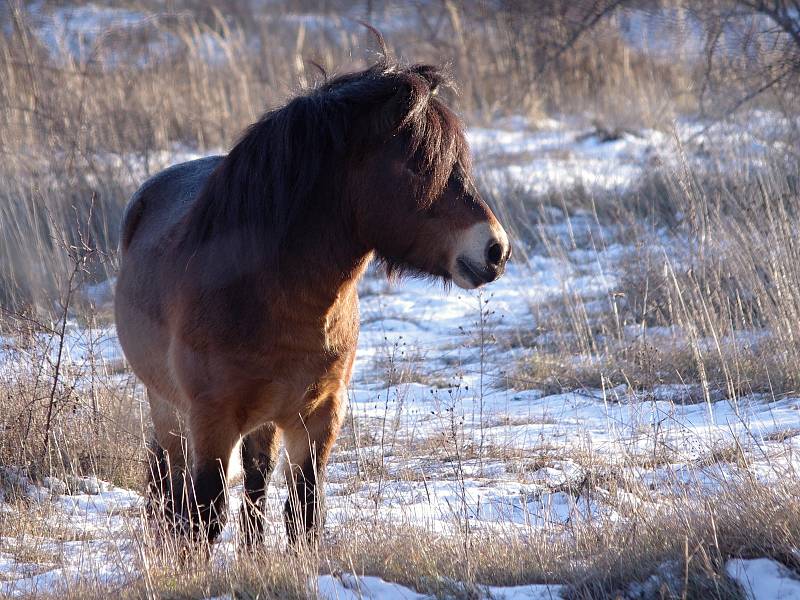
(482, 255)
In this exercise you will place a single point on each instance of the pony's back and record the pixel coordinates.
(163, 200)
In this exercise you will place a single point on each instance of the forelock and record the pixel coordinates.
(402, 100)
(435, 133)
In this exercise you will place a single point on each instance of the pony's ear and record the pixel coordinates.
(407, 95)
(379, 39)
(433, 75)
(322, 70)
(412, 92)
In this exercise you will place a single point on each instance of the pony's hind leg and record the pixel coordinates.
(166, 461)
(308, 445)
(259, 456)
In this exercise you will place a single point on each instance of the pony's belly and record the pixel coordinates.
(269, 403)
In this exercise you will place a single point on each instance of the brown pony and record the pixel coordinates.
(236, 301)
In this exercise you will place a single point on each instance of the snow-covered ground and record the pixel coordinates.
(450, 396)
(437, 413)
(559, 154)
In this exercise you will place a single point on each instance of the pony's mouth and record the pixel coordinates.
(475, 275)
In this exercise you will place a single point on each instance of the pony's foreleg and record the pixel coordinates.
(259, 456)
(308, 445)
(212, 440)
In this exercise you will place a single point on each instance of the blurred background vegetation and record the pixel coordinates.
(96, 97)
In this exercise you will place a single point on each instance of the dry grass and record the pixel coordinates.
(680, 550)
(706, 293)
(706, 287)
(680, 535)
(78, 416)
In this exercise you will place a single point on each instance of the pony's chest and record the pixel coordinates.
(329, 330)
(340, 329)
(313, 368)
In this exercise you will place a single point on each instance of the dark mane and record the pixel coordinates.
(292, 161)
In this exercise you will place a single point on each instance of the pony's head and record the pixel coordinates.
(373, 155)
(409, 178)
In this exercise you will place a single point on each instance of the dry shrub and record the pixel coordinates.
(67, 411)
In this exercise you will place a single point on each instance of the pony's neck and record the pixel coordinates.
(324, 254)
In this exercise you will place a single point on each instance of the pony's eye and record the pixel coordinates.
(413, 170)
(418, 168)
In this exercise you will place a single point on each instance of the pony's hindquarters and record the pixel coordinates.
(148, 283)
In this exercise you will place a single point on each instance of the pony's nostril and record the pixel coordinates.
(494, 254)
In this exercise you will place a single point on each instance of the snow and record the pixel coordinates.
(78, 33)
(559, 154)
(102, 551)
(426, 395)
(345, 586)
(764, 579)
(663, 31)
(445, 405)
(98, 33)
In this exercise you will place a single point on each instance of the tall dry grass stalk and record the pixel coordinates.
(79, 134)
(665, 545)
